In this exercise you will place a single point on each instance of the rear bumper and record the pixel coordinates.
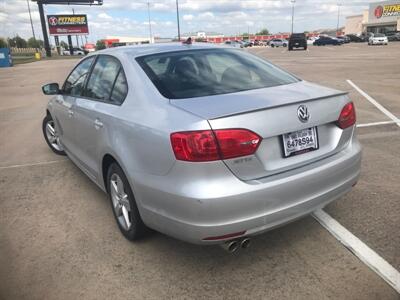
(192, 207)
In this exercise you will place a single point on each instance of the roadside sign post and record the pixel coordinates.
(44, 30)
(59, 2)
(71, 49)
(57, 42)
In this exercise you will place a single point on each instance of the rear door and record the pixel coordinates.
(65, 103)
(105, 91)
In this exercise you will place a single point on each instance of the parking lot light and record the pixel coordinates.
(293, 2)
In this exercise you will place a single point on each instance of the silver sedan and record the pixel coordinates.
(203, 143)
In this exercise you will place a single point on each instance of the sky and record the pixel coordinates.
(130, 17)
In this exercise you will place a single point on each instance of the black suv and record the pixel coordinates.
(297, 40)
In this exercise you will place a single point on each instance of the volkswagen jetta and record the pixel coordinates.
(203, 143)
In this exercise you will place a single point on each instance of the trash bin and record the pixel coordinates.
(5, 58)
(37, 56)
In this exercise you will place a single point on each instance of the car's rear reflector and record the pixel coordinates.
(224, 237)
(347, 116)
(209, 145)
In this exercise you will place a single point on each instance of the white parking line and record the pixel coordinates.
(33, 164)
(361, 250)
(329, 48)
(376, 124)
(374, 102)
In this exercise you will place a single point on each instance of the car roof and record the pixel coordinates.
(147, 49)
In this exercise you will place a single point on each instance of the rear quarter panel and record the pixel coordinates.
(138, 132)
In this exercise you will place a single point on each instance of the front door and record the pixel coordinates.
(94, 111)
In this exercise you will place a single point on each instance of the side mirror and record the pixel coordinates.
(51, 89)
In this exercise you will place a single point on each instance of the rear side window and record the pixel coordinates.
(197, 73)
(107, 81)
(76, 80)
(120, 89)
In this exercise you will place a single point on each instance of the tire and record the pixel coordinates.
(123, 204)
(290, 48)
(305, 48)
(51, 136)
(284, 45)
(272, 46)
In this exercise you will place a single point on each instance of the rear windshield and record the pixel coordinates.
(197, 73)
(298, 35)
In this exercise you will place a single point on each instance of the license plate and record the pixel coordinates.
(299, 142)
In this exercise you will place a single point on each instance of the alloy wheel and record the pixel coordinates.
(52, 136)
(120, 201)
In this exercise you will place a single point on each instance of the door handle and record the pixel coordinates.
(98, 124)
(70, 113)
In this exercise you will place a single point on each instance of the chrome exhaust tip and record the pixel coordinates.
(245, 243)
(230, 246)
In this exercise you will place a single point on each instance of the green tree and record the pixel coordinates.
(34, 43)
(263, 31)
(11, 42)
(3, 43)
(100, 45)
(17, 41)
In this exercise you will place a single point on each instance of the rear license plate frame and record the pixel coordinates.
(285, 138)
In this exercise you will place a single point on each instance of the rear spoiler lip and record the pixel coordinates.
(280, 105)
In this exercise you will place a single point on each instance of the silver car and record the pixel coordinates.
(278, 43)
(203, 143)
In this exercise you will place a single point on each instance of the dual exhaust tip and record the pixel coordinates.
(233, 245)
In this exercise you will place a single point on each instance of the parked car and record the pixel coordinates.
(278, 43)
(327, 40)
(297, 40)
(207, 144)
(365, 36)
(311, 39)
(354, 38)
(393, 36)
(76, 51)
(343, 38)
(378, 39)
(247, 44)
(236, 44)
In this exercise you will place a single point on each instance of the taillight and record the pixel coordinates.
(237, 142)
(347, 116)
(208, 145)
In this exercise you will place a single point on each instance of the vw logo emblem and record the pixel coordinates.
(303, 114)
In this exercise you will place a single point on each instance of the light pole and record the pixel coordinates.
(293, 2)
(30, 17)
(338, 18)
(177, 18)
(148, 12)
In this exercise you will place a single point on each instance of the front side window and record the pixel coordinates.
(106, 73)
(76, 80)
(196, 73)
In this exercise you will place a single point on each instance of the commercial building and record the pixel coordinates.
(201, 35)
(125, 40)
(381, 17)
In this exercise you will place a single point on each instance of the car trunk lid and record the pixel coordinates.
(272, 112)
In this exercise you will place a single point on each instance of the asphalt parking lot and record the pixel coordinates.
(58, 238)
